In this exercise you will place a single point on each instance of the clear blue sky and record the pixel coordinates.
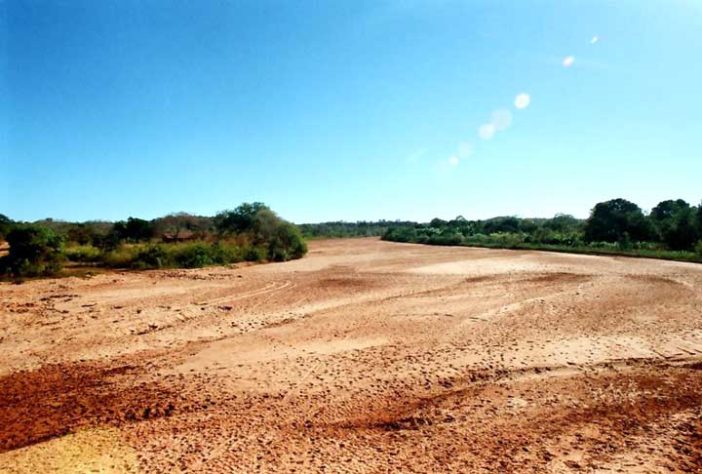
(347, 109)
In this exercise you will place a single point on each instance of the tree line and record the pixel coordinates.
(673, 229)
(339, 229)
(250, 232)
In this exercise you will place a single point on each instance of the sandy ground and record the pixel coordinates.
(364, 356)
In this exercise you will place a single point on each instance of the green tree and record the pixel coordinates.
(173, 223)
(675, 224)
(509, 224)
(133, 230)
(617, 220)
(241, 219)
(667, 209)
(80, 233)
(437, 223)
(563, 223)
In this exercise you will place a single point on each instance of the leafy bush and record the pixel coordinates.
(5, 226)
(255, 253)
(194, 256)
(446, 237)
(121, 257)
(180, 255)
(401, 234)
(225, 253)
(34, 251)
(152, 256)
(83, 253)
(286, 243)
(508, 240)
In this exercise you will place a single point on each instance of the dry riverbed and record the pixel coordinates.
(365, 356)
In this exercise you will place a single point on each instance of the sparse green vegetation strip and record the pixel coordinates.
(251, 232)
(672, 230)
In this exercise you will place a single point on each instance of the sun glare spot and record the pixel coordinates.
(522, 101)
(568, 61)
(486, 131)
(501, 119)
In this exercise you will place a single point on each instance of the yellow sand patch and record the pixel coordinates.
(101, 450)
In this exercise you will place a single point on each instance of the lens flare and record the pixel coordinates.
(465, 150)
(486, 131)
(522, 101)
(568, 61)
(501, 119)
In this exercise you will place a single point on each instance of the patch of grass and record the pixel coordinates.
(121, 257)
(82, 253)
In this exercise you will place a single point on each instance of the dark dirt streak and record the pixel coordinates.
(537, 437)
(58, 399)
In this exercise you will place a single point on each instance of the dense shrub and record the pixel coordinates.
(120, 257)
(286, 243)
(195, 255)
(181, 255)
(254, 253)
(152, 256)
(81, 234)
(403, 234)
(251, 232)
(447, 236)
(133, 230)
(83, 253)
(5, 226)
(34, 251)
(350, 229)
(226, 252)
